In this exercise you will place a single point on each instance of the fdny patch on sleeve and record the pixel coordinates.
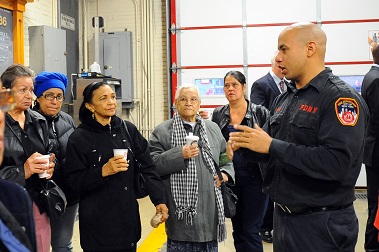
(347, 111)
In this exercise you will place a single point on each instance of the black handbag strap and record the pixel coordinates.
(131, 149)
(129, 138)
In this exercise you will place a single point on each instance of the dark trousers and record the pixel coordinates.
(371, 234)
(268, 220)
(251, 206)
(335, 230)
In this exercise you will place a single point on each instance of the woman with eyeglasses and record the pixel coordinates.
(189, 175)
(50, 88)
(25, 139)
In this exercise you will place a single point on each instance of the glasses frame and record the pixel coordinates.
(192, 100)
(53, 97)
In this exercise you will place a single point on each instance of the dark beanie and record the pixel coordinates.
(47, 80)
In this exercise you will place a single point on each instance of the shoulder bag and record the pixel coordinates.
(139, 181)
(53, 199)
(228, 197)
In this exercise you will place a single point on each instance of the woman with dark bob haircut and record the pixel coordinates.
(108, 207)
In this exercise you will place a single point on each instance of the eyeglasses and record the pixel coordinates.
(185, 100)
(7, 100)
(51, 97)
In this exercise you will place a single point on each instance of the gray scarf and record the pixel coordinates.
(184, 184)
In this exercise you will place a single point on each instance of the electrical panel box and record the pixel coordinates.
(116, 61)
(47, 49)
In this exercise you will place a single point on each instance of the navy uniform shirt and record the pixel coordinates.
(316, 153)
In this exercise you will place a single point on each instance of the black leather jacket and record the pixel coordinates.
(60, 128)
(255, 114)
(12, 168)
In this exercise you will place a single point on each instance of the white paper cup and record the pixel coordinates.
(45, 173)
(191, 140)
(121, 152)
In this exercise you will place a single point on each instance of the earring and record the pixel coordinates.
(93, 116)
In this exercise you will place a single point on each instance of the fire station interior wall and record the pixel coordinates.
(347, 42)
(347, 37)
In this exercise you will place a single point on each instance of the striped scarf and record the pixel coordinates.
(184, 184)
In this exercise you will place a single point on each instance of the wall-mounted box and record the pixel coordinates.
(47, 49)
(115, 58)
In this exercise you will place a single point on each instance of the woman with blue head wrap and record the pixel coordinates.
(50, 88)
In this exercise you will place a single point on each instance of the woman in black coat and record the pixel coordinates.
(108, 207)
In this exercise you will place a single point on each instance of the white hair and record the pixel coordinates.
(187, 85)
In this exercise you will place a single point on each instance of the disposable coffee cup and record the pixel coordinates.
(45, 174)
(121, 152)
(191, 139)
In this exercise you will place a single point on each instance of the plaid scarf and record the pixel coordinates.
(184, 184)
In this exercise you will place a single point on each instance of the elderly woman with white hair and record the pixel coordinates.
(197, 220)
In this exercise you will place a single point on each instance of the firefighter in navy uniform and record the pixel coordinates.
(314, 142)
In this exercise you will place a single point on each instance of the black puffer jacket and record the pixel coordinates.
(12, 168)
(60, 128)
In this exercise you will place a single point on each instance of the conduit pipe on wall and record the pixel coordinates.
(142, 70)
(136, 65)
(147, 66)
(150, 87)
(55, 14)
(85, 34)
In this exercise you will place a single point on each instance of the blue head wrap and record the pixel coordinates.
(47, 80)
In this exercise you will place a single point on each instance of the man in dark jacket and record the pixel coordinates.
(263, 92)
(267, 88)
(315, 140)
(370, 92)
